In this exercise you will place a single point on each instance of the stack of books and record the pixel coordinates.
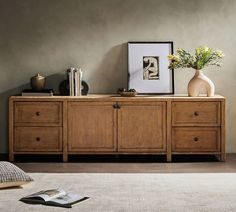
(31, 92)
(75, 79)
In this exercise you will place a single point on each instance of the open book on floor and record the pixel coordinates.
(54, 197)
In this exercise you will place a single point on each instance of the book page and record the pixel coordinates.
(47, 195)
(68, 198)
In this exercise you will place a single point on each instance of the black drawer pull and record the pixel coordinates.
(37, 138)
(196, 113)
(195, 139)
(116, 106)
(37, 113)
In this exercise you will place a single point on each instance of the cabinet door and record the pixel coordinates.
(142, 127)
(91, 127)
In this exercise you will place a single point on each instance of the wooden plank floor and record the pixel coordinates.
(127, 166)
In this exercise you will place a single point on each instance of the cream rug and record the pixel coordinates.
(132, 192)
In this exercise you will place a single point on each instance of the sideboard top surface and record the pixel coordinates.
(115, 97)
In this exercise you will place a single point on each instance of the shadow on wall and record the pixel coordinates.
(111, 73)
(52, 81)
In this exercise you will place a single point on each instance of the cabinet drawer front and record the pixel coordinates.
(196, 113)
(188, 139)
(38, 113)
(36, 139)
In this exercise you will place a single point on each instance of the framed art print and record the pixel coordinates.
(148, 67)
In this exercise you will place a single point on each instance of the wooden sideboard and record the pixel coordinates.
(110, 124)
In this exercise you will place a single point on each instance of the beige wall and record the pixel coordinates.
(48, 36)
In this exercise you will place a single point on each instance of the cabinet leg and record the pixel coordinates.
(168, 157)
(65, 158)
(11, 157)
(223, 157)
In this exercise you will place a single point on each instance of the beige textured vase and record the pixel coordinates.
(200, 80)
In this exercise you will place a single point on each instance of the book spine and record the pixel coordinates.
(80, 81)
(71, 81)
(37, 94)
(69, 76)
(76, 82)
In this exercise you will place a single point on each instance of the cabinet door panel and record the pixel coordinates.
(142, 127)
(91, 127)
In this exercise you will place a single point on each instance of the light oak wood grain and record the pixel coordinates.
(196, 139)
(91, 127)
(38, 113)
(223, 129)
(168, 130)
(65, 131)
(110, 124)
(37, 139)
(142, 127)
(196, 113)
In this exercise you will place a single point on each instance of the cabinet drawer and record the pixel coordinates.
(196, 113)
(200, 139)
(36, 139)
(38, 113)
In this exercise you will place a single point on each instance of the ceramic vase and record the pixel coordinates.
(200, 80)
(38, 82)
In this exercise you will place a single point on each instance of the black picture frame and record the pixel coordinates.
(148, 71)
